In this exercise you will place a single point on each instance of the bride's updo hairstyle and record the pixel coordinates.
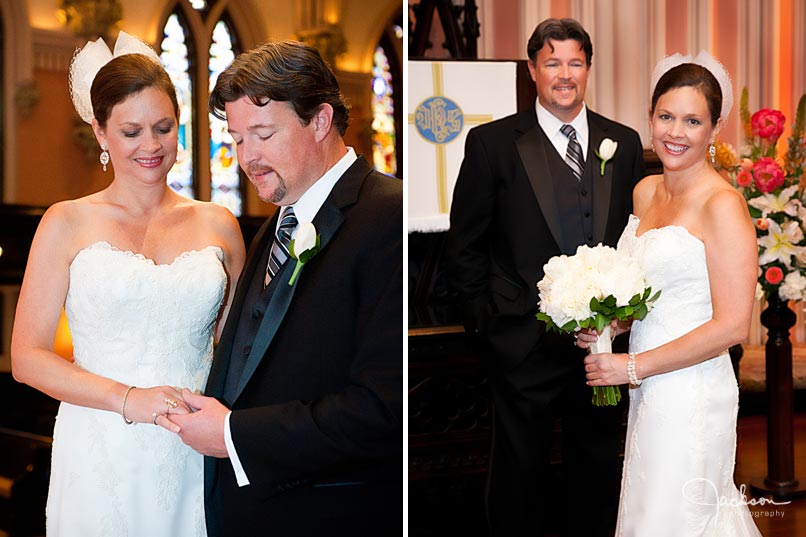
(125, 76)
(693, 76)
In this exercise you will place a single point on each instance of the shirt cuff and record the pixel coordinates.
(240, 474)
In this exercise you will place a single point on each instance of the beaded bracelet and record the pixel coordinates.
(631, 376)
(123, 406)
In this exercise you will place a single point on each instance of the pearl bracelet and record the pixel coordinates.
(123, 406)
(631, 376)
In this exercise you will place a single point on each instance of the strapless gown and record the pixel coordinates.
(144, 325)
(681, 433)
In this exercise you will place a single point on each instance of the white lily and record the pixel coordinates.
(782, 203)
(779, 243)
(605, 152)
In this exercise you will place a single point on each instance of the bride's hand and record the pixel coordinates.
(606, 369)
(146, 405)
(585, 336)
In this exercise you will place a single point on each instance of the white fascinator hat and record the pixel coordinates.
(88, 60)
(703, 59)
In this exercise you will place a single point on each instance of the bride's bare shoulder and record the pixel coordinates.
(644, 191)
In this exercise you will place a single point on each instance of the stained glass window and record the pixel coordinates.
(174, 57)
(198, 4)
(383, 119)
(225, 181)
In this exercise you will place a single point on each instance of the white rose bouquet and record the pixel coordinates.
(589, 290)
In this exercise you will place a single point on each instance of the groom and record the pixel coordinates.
(531, 187)
(302, 422)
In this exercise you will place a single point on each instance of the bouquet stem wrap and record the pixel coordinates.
(604, 395)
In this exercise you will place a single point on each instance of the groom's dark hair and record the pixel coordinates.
(559, 30)
(282, 71)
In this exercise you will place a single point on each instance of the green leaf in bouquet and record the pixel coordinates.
(654, 297)
(570, 326)
(601, 322)
(635, 299)
(640, 312)
(549, 323)
(626, 312)
(610, 301)
(646, 293)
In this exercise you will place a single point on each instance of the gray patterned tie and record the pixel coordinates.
(279, 249)
(573, 156)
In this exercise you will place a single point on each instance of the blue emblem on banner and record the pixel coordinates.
(439, 120)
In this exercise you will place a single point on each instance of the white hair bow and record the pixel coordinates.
(88, 61)
(703, 59)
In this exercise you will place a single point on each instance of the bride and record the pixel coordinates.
(142, 273)
(693, 234)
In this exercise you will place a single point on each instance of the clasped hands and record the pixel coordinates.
(604, 369)
(197, 419)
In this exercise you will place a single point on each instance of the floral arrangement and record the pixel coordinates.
(589, 290)
(774, 190)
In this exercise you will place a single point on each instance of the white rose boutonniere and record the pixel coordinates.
(304, 246)
(605, 152)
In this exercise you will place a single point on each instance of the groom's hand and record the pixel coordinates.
(203, 430)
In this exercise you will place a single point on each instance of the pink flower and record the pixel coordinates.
(746, 164)
(774, 275)
(768, 174)
(768, 124)
(744, 178)
(763, 224)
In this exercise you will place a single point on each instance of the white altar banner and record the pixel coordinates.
(445, 100)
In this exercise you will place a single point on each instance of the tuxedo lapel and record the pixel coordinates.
(602, 184)
(531, 144)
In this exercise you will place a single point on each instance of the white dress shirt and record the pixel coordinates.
(551, 126)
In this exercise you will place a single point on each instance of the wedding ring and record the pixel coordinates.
(154, 415)
(171, 403)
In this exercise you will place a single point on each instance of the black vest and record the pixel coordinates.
(254, 308)
(574, 199)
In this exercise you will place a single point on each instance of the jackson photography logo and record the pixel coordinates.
(702, 491)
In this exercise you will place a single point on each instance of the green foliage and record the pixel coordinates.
(605, 311)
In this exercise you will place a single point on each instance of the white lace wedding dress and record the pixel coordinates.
(681, 433)
(144, 325)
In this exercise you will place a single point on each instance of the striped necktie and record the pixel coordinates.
(573, 156)
(279, 249)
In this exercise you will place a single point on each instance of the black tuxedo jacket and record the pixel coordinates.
(505, 222)
(317, 402)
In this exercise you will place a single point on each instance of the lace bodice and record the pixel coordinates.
(141, 323)
(674, 261)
